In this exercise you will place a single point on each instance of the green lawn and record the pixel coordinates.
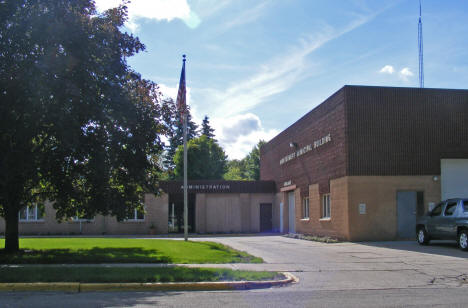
(118, 250)
(127, 274)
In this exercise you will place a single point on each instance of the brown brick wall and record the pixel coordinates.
(318, 165)
(375, 131)
(404, 131)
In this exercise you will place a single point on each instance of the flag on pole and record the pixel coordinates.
(182, 108)
(181, 100)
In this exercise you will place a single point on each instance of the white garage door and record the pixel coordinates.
(454, 178)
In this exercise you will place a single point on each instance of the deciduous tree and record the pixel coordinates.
(206, 160)
(248, 168)
(236, 170)
(77, 125)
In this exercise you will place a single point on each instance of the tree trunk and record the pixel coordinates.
(11, 231)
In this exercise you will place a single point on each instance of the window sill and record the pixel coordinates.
(305, 219)
(325, 219)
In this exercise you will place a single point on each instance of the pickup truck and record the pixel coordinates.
(448, 220)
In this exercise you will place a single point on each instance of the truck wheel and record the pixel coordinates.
(463, 240)
(422, 236)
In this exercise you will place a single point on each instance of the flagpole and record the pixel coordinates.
(185, 180)
(185, 172)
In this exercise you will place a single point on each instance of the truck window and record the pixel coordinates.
(465, 206)
(437, 210)
(450, 208)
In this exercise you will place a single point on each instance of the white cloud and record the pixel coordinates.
(246, 17)
(387, 69)
(276, 76)
(154, 9)
(239, 134)
(167, 91)
(208, 8)
(236, 129)
(406, 73)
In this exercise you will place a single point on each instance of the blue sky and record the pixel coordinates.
(254, 67)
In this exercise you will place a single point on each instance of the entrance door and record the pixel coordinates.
(292, 213)
(407, 204)
(176, 213)
(266, 217)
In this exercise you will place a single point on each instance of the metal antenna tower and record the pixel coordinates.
(421, 52)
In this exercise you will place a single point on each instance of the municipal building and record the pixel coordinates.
(360, 166)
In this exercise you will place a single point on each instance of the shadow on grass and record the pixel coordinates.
(127, 274)
(83, 256)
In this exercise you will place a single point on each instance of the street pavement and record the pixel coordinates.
(375, 274)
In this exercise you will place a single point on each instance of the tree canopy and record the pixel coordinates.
(248, 168)
(77, 125)
(253, 162)
(206, 160)
(236, 170)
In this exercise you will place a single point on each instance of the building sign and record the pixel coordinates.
(218, 186)
(287, 183)
(307, 148)
(207, 187)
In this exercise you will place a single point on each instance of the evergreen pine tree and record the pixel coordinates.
(207, 130)
(175, 133)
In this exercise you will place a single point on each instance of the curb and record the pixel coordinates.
(171, 286)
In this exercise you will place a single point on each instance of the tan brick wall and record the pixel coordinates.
(200, 213)
(298, 208)
(228, 213)
(155, 214)
(255, 201)
(225, 213)
(379, 195)
(337, 226)
(278, 198)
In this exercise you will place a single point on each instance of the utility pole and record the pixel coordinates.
(420, 47)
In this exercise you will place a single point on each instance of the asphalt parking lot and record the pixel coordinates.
(353, 266)
(373, 274)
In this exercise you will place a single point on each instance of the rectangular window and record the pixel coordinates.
(305, 208)
(137, 215)
(326, 213)
(32, 213)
